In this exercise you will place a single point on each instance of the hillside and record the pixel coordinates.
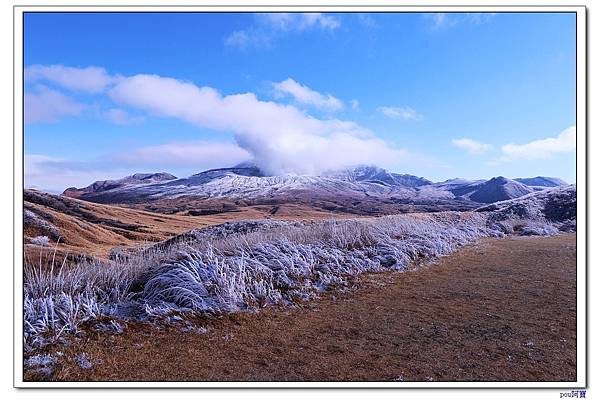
(90, 229)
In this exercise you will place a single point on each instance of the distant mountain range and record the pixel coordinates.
(356, 187)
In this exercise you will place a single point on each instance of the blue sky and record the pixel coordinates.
(435, 95)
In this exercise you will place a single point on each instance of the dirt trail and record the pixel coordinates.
(501, 310)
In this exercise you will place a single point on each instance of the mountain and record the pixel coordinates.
(249, 182)
(102, 186)
(366, 173)
(498, 189)
(456, 183)
(364, 190)
(482, 191)
(542, 181)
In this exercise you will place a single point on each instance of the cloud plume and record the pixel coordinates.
(196, 155)
(280, 138)
(305, 95)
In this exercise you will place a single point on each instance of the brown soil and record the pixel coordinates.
(503, 310)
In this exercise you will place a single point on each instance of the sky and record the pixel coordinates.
(434, 95)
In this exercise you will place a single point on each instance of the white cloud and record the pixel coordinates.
(355, 105)
(405, 113)
(238, 39)
(299, 21)
(441, 21)
(90, 79)
(269, 26)
(479, 18)
(197, 155)
(472, 146)
(47, 105)
(305, 95)
(322, 20)
(281, 138)
(367, 20)
(543, 148)
(121, 117)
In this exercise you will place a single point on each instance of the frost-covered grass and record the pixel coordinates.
(289, 263)
(58, 298)
(40, 240)
(525, 227)
(238, 268)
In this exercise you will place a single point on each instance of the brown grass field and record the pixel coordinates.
(501, 310)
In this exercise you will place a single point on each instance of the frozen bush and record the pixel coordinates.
(111, 327)
(83, 361)
(523, 227)
(40, 240)
(39, 360)
(40, 364)
(538, 230)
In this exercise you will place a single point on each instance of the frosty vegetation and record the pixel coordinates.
(247, 265)
(541, 213)
(40, 240)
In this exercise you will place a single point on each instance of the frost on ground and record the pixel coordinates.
(41, 363)
(248, 265)
(83, 362)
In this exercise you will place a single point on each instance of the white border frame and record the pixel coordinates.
(581, 123)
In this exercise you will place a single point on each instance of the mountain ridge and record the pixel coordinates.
(363, 183)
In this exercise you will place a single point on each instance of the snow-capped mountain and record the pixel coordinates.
(542, 181)
(496, 189)
(242, 183)
(135, 179)
(366, 173)
(248, 183)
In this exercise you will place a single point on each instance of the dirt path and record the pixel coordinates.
(501, 310)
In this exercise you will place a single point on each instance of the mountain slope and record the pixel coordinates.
(135, 179)
(543, 181)
(82, 227)
(498, 189)
(365, 173)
